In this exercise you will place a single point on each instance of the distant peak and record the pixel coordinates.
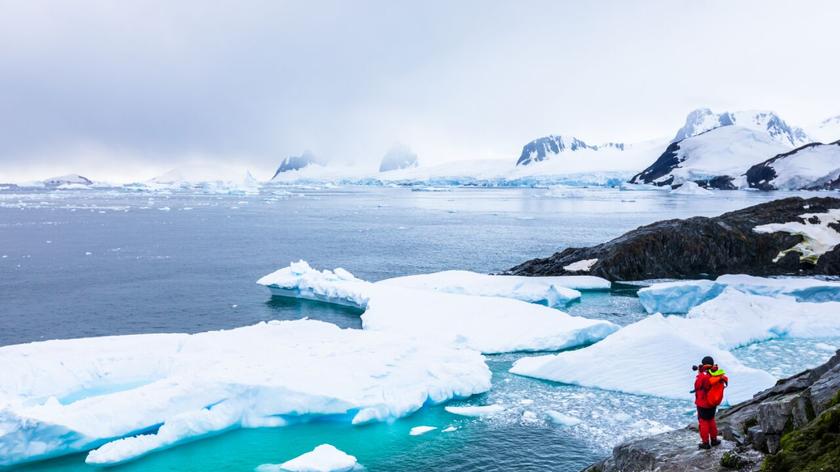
(543, 148)
(704, 119)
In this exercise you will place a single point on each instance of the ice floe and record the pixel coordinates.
(653, 356)
(324, 458)
(682, 296)
(112, 393)
(489, 324)
(551, 291)
(562, 419)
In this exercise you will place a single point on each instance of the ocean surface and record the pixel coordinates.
(76, 263)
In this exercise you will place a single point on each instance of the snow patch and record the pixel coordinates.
(817, 238)
(581, 266)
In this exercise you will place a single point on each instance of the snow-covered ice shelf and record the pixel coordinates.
(59, 397)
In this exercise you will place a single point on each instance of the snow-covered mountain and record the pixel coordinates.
(69, 179)
(296, 162)
(547, 147)
(826, 131)
(715, 158)
(704, 119)
(811, 167)
(398, 157)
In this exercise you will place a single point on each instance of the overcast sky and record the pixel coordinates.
(125, 90)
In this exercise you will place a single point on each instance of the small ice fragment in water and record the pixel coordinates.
(418, 430)
(324, 458)
(449, 429)
(475, 410)
(562, 419)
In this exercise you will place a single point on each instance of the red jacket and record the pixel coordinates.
(705, 381)
(701, 386)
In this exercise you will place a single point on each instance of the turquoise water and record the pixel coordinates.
(89, 263)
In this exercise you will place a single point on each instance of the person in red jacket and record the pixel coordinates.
(708, 394)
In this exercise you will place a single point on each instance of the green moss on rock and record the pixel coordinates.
(812, 448)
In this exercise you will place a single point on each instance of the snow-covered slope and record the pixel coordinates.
(202, 178)
(811, 167)
(548, 147)
(716, 158)
(398, 157)
(827, 130)
(703, 119)
(59, 397)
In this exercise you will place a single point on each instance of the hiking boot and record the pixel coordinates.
(704, 446)
(715, 442)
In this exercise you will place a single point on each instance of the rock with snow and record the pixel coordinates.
(324, 458)
(814, 166)
(475, 411)
(682, 296)
(61, 397)
(296, 163)
(550, 146)
(489, 324)
(703, 119)
(789, 236)
(716, 158)
(398, 157)
(69, 179)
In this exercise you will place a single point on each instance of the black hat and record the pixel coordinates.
(708, 361)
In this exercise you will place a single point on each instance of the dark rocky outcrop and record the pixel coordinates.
(700, 247)
(541, 149)
(799, 412)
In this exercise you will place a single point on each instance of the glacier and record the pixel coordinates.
(551, 291)
(122, 399)
(412, 306)
(653, 356)
(682, 296)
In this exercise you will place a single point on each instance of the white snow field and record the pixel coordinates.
(119, 396)
(810, 167)
(817, 238)
(324, 458)
(551, 291)
(682, 296)
(490, 324)
(653, 356)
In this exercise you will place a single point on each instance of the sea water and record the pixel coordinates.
(77, 263)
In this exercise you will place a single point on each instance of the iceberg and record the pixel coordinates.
(119, 397)
(422, 306)
(682, 296)
(324, 458)
(551, 291)
(660, 350)
(418, 430)
(299, 280)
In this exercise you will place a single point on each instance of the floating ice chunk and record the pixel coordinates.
(324, 458)
(67, 396)
(677, 297)
(650, 357)
(580, 266)
(562, 419)
(680, 297)
(299, 280)
(418, 430)
(475, 410)
(691, 188)
(817, 238)
(542, 290)
(449, 429)
(487, 324)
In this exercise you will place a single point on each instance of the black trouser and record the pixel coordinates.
(706, 413)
